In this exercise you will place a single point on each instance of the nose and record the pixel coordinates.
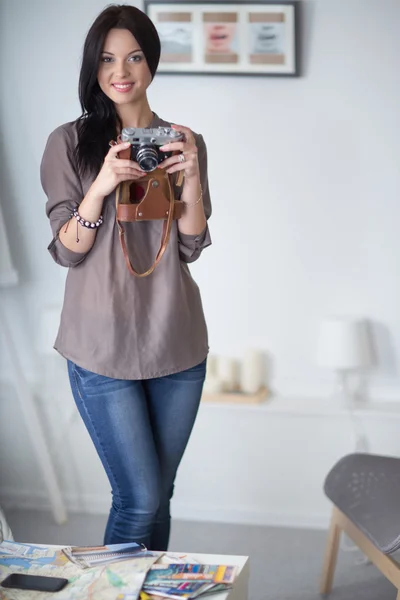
(121, 69)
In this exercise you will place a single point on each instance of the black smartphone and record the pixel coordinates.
(39, 583)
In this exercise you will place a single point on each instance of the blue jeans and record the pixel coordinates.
(140, 430)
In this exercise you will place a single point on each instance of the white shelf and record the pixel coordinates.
(302, 407)
(236, 397)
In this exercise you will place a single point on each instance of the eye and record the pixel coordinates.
(135, 58)
(106, 59)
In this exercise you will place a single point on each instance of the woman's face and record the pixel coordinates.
(123, 73)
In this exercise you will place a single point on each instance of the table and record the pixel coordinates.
(239, 590)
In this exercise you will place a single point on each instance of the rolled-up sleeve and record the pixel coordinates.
(62, 186)
(191, 246)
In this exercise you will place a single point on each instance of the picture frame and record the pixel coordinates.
(226, 38)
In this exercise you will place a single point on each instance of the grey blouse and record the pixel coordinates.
(113, 323)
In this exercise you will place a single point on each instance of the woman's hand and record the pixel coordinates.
(187, 160)
(114, 171)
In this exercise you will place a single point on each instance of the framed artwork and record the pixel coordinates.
(237, 38)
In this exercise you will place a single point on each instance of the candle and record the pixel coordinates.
(227, 372)
(211, 366)
(212, 384)
(251, 375)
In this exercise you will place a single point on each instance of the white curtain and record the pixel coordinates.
(5, 531)
(8, 275)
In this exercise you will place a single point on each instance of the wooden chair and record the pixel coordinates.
(365, 491)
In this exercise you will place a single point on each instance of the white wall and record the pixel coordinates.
(305, 186)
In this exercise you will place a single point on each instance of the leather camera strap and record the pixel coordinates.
(167, 225)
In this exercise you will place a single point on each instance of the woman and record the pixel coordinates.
(136, 347)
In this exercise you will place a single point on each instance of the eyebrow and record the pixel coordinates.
(111, 54)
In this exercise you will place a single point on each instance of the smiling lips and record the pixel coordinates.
(123, 87)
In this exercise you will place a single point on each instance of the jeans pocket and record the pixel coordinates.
(86, 377)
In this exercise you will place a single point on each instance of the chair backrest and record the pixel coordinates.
(366, 488)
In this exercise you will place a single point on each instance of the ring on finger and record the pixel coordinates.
(182, 158)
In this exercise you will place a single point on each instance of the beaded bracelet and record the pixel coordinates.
(88, 224)
(81, 221)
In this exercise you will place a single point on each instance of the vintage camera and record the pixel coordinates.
(146, 143)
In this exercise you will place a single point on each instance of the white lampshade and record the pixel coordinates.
(344, 343)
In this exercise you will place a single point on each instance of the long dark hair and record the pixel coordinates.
(99, 120)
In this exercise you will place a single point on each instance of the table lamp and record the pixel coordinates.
(344, 345)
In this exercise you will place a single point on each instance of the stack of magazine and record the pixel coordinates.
(178, 577)
(187, 581)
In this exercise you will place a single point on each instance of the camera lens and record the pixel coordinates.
(147, 158)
